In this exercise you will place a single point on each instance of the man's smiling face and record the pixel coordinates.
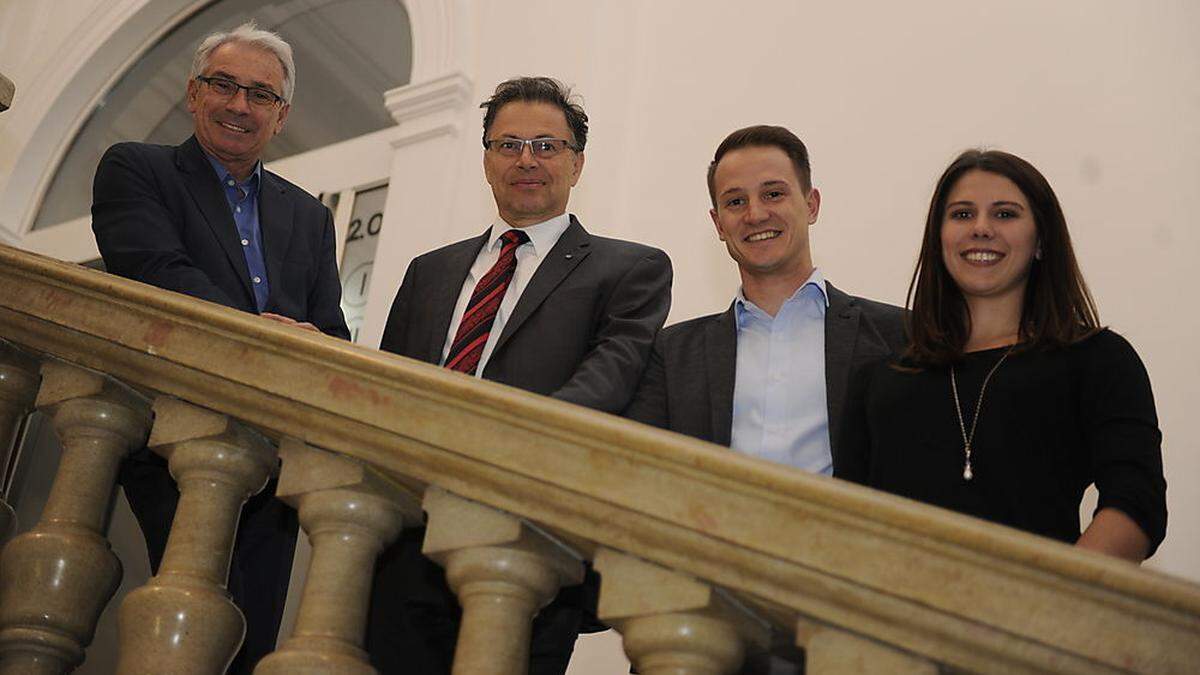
(231, 128)
(763, 213)
(529, 189)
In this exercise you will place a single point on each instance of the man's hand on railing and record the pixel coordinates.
(290, 321)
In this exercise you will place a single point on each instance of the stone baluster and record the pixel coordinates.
(6, 92)
(56, 579)
(350, 513)
(671, 623)
(18, 388)
(503, 572)
(830, 651)
(183, 620)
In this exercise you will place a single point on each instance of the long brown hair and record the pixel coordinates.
(1057, 309)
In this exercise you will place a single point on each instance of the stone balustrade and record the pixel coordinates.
(6, 93)
(350, 512)
(707, 558)
(56, 579)
(183, 620)
(19, 378)
(502, 570)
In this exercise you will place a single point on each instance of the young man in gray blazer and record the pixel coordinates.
(535, 302)
(767, 376)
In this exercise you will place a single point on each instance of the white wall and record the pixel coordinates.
(1102, 96)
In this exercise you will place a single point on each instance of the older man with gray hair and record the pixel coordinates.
(206, 219)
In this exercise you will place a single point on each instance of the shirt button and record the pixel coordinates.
(245, 242)
(230, 183)
(258, 280)
(238, 209)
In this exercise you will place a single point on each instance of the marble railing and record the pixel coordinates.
(706, 556)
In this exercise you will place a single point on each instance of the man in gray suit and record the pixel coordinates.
(535, 302)
(767, 376)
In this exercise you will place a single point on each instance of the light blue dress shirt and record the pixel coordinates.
(243, 204)
(780, 411)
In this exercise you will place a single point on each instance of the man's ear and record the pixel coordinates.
(813, 199)
(578, 168)
(283, 113)
(193, 94)
(712, 213)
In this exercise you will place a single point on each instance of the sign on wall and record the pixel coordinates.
(358, 254)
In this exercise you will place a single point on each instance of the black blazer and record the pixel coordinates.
(161, 217)
(688, 386)
(581, 330)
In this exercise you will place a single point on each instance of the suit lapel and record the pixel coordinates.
(570, 250)
(841, 333)
(275, 222)
(206, 191)
(453, 268)
(720, 352)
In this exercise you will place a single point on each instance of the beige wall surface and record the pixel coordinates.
(1101, 96)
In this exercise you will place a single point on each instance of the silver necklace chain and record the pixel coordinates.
(969, 438)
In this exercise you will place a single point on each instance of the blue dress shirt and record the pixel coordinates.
(780, 411)
(243, 204)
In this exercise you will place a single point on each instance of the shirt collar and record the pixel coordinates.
(745, 309)
(224, 175)
(543, 235)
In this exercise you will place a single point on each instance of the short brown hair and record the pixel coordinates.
(762, 135)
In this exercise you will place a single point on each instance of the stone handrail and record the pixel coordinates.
(723, 541)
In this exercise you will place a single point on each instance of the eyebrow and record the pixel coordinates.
(764, 184)
(1002, 202)
(256, 83)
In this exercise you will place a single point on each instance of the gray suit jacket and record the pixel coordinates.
(580, 332)
(688, 385)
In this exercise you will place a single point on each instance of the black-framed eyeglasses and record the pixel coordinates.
(542, 148)
(255, 95)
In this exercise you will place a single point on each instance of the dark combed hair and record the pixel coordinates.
(543, 90)
(761, 135)
(1057, 310)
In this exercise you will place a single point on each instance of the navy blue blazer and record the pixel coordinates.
(160, 217)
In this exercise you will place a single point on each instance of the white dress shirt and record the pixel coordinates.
(542, 238)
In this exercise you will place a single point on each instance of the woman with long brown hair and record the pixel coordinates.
(1011, 398)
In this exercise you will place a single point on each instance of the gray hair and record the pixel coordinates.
(249, 34)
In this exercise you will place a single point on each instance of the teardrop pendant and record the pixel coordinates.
(967, 474)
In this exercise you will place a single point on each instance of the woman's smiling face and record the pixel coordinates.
(989, 235)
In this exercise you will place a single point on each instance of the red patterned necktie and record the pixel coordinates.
(476, 324)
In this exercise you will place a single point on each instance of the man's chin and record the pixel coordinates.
(227, 152)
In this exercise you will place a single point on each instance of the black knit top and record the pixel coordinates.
(1052, 422)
